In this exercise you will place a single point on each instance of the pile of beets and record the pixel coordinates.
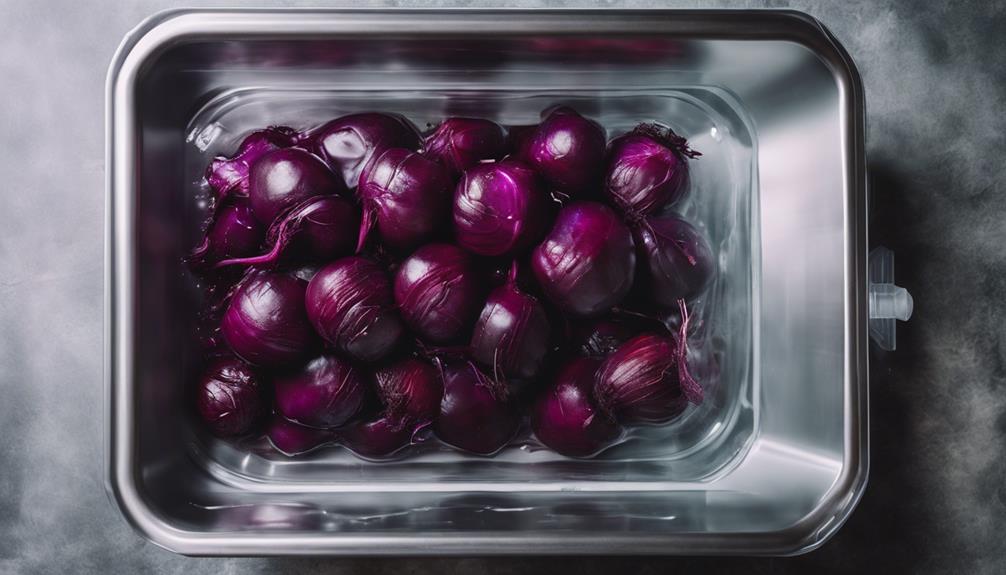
(373, 287)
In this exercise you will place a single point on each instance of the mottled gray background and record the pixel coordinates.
(935, 78)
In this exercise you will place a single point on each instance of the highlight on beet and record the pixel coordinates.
(351, 305)
(460, 143)
(500, 208)
(406, 197)
(439, 292)
(326, 392)
(647, 170)
(511, 336)
(266, 321)
(228, 175)
(565, 416)
(567, 150)
(281, 179)
(587, 262)
(349, 143)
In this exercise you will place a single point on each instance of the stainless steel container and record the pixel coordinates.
(773, 464)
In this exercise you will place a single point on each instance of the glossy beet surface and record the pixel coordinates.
(229, 398)
(234, 232)
(349, 143)
(350, 303)
(439, 293)
(326, 392)
(676, 257)
(511, 336)
(318, 229)
(475, 415)
(407, 196)
(499, 208)
(229, 175)
(266, 322)
(639, 383)
(587, 262)
(460, 143)
(565, 417)
(360, 280)
(568, 151)
(647, 170)
(284, 178)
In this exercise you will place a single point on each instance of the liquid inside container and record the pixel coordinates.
(771, 462)
(692, 447)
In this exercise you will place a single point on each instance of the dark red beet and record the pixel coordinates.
(600, 338)
(475, 414)
(438, 293)
(350, 303)
(284, 178)
(319, 229)
(325, 393)
(587, 262)
(647, 170)
(407, 195)
(229, 175)
(511, 336)
(565, 417)
(376, 438)
(677, 258)
(266, 323)
(641, 382)
(292, 439)
(567, 150)
(349, 143)
(229, 398)
(234, 232)
(460, 143)
(499, 208)
(410, 391)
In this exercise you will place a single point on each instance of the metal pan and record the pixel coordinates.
(772, 465)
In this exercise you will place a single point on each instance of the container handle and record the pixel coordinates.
(889, 303)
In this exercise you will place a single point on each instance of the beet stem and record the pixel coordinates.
(690, 387)
(667, 137)
(366, 222)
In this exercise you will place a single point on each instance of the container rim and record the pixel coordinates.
(159, 31)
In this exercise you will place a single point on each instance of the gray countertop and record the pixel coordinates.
(935, 79)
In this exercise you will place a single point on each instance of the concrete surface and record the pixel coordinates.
(935, 77)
